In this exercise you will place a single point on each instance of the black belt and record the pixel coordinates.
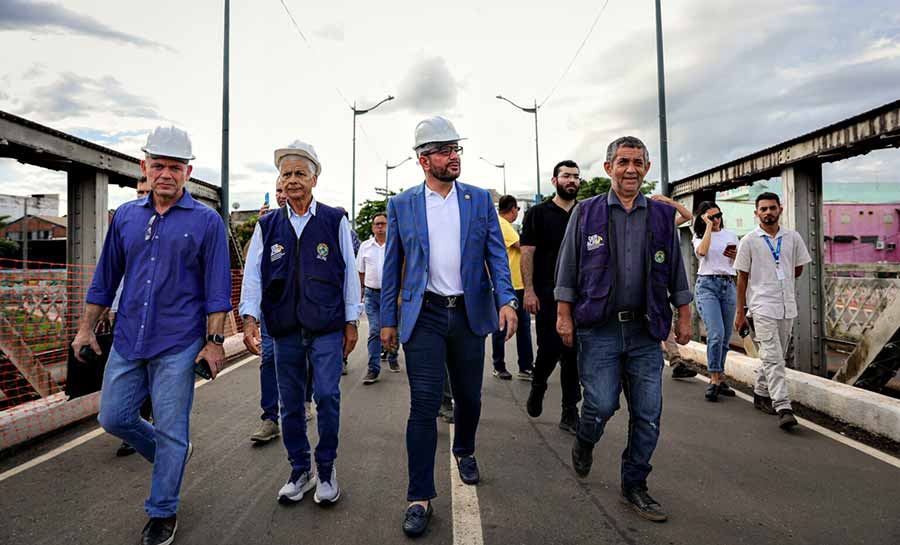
(376, 290)
(627, 315)
(445, 301)
(728, 277)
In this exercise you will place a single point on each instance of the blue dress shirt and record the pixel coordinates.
(176, 271)
(251, 293)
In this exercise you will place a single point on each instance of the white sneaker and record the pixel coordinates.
(292, 492)
(328, 491)
(309, 411)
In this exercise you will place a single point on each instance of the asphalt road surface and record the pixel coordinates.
(726, 474)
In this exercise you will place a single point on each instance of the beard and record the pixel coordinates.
(769, 220)
(444, 174)
(565, 194)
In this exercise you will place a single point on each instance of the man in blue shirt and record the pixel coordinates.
(173, 256)
(300, 276)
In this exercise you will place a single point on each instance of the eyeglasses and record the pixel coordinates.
(716, 216)
(446, 151)
(380, 223)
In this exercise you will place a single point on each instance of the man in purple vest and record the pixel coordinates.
(619, 273)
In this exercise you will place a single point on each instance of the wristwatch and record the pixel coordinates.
(354, 323)
(215, 339)
(513, 304)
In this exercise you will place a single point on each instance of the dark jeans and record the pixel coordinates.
(550, 349)
(373, 313)
(268, 382)
(523, 340)
(294, 355)
(440, 335)
(612, 358)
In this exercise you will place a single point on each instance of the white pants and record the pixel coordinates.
(773, 337)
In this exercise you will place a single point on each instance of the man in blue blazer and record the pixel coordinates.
(446, 263)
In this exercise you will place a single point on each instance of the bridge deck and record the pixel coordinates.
(725, 472)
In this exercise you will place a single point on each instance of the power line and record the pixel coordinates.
(575, 56)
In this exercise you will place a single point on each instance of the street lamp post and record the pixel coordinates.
(661, 80)
(501, 165)
(225, 107)
(356, 112)
(537, 154)
(388, 167)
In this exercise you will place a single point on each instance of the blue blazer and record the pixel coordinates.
(484, 265)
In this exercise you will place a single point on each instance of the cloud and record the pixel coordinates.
(333, 32)
(74, 96)
(428, 88)
(22, 15)
(105, 138)
(261, 167)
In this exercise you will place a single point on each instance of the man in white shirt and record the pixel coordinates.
(369, 263)
(769, 258)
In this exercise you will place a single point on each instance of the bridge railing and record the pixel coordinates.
(855, 296)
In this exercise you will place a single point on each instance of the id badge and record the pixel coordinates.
(779, 271)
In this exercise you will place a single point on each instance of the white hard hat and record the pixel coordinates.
(435, 129)
(169, 142)
(298, 148)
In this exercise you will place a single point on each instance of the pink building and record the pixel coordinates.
(862, 233)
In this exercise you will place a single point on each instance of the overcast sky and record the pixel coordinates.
(741, 76)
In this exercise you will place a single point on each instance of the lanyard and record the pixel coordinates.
(776, 252)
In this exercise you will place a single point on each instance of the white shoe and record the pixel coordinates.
(292, 492)
(328, 491)
(309, 411)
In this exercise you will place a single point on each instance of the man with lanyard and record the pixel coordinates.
(768, 260)
(507, 211)
(542, 233)
(173, 255)
(620, 273)
(446, 236)
(300, 277)
(369, 263)
(268, 381)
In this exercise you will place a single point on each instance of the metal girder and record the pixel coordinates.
(31, 143)
(883, 333)
(858, 135)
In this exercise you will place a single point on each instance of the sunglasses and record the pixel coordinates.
(716, 216)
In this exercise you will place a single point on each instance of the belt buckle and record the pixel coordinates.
(626, 316)
(451, 301)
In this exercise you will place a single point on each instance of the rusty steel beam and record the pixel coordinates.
(857, 135)
(35, 144)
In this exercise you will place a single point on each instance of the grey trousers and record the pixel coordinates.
(773, 337)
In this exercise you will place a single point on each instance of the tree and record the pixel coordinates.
(9, 248)
(3, 220)
(367, 213)
(243, 232)
(600, 186)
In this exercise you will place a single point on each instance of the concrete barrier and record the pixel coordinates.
(867, 410)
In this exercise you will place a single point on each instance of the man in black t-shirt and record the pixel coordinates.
(542, 233)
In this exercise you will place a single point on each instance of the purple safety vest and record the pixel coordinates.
(596, 279)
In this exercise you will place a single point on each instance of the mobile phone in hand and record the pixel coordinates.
(202, 370)
(731, 247)
(87, 354)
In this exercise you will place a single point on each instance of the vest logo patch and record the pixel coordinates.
(276, 252)
(594, 242)
(660, 256)
(322, 251)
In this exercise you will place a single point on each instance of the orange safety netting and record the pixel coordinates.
(39, 312)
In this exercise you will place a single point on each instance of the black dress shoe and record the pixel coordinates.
(582, 457)
(125, 449)
(763, 404)
(725, 390)
(680, 370)
(535, 403)
(641, 503)
(786, 419)
(159, 531)
(712, 392)
(416, 519)
(569, 420)
(468, 469)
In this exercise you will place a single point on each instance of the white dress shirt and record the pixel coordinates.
(251, 293)
(768, 295)
(370, 261)
(444, 252)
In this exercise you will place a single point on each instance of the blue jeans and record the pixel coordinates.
(268, 381)
(612, 358)
(716, 299)
(373, 312)
(294, 354)
(440, 334)
(169, 381)
(523, 340)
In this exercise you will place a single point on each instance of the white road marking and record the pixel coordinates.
(865, 449)
(466, 512)
(84, 438)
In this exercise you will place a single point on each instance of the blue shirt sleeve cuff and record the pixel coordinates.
(102, 298)
(567, 295)
(217, 306)
(680, 298)
(352, 311)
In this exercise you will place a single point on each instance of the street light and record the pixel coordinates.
(537, 155)
(357, 112)
(661, 95)
(388, 167)
(501, 165)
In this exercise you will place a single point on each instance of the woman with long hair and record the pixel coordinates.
(715, 292)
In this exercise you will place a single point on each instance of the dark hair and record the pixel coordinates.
(379, 214)
(507, 203)
(699, 224)
(767, 196)
(142, 179)
(567, 163)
